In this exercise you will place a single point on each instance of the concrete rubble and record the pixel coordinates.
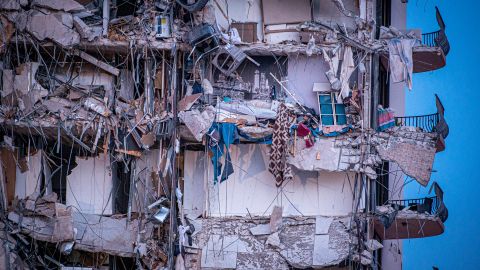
(174, 134)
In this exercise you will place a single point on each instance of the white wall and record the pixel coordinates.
(89, 185)
(303, 72)
(29, 181)
(239, 11)
(252, 187)
(327, 12)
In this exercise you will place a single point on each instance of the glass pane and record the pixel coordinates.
(326, 109)
(325, 99)
(339, 109)
(341, 120)
(327, 120)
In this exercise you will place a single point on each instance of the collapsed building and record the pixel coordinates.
(253, 134)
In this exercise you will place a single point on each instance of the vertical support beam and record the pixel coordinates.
(173, 209)
(366, 93)
(106, 17)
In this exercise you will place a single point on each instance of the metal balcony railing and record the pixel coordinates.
(436, 39)
(425, 122)
(428, 39)
(427, 204)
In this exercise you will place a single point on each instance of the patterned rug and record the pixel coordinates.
(279, 149)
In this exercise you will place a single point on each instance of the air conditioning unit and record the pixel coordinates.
(162, 26)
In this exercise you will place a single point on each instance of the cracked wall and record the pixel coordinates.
(230, 243)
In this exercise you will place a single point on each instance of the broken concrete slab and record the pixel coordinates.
(413, 151)
(261, 229)
(322, 254)
(95, 233)
(276, 218)
(85, 31)
(293, 245)
(23, 81)
(221, 252)
(7, 30)
(94, 61)
(12, 4)
(59, 30)
(187, 102)
(64, 5)
(198, 122)
(274, 240)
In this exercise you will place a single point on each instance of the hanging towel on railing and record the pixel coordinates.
(386, 119)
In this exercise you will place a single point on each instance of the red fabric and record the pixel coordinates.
(309, 142)
(302, 130)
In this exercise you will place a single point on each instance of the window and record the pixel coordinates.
(331, 112)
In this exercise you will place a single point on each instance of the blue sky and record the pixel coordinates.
(458, 167)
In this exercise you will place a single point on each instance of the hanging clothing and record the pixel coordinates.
(401, 60)
(278, 165)
(221, 136)
(348, 66)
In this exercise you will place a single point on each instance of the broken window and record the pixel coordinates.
(331, 111)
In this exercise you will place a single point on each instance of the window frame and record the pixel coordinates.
(333, 104)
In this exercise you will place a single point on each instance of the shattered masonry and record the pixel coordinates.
(205, 134)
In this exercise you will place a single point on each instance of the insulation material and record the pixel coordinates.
(90, 184)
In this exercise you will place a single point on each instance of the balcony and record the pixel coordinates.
(426, 122)
(429, 123)
(435, 47)
(414, 218)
